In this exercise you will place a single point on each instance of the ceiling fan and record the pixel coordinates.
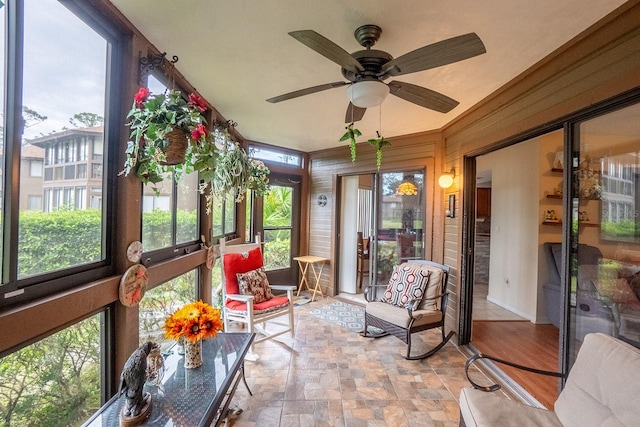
(367, 69)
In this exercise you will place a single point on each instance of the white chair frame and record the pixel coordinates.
(256, 322)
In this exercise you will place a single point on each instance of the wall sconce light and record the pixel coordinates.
(446, 179)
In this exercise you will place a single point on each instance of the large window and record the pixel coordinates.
(52, 96)
(55, 381)
(170, 212)
(56, 86)
(223, 216)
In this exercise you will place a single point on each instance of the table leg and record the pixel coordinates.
(317, 276)
(303, 277)
(244, 379)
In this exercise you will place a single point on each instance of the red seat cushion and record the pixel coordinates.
(234, 263)
(263, 307)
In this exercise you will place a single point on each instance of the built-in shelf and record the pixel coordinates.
(581, 223)
(559, 196)
(557, 170)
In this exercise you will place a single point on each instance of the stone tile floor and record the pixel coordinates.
(329, 376)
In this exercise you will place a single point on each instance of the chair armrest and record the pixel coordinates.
(370, 288)
(283, 287)
(238, 297)
(414, 303)
(495, 387)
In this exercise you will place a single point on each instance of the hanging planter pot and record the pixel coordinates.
(177, 143)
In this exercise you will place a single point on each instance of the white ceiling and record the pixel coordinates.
(237, 53)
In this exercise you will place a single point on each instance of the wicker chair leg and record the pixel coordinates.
(367, 334)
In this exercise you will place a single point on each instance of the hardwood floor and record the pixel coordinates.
(524, 343)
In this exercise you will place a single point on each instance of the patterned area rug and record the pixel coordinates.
(348, 316)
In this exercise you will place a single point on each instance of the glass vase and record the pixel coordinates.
(192, 354)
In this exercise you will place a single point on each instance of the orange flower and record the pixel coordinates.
(194, 321)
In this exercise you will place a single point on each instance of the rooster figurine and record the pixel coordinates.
(137, 403)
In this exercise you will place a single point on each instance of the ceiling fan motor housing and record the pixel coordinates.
(372, 60)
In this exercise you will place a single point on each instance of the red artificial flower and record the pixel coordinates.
(198, 132)
(141, 96)
(197, 101)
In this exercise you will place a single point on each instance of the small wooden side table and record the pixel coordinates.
(304, 262)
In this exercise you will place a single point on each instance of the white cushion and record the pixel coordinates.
(603, 390)
(479, 408)
(603, 387)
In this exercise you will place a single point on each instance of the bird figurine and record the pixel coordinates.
(132, 381)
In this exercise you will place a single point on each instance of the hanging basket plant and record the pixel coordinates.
(351, 134)
(159, 121)
(379, 143)
(165, 128)
(235, 172)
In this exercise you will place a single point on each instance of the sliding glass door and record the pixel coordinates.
(605, 229)
(399, 227)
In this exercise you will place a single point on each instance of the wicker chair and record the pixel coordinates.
(416, 315)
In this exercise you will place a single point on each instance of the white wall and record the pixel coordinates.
(513, 268)
(348, 236)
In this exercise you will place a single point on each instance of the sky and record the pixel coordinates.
(64, 66)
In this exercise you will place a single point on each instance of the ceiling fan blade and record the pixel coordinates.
(435, 55)
(307, 91)
(354, 114)
(328, 49)
(422, 96)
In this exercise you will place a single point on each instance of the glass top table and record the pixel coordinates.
(190, 397)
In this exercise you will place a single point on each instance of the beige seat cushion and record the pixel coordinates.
(479, 408)
(399, 316)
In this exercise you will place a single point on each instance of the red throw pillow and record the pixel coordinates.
(235, 263)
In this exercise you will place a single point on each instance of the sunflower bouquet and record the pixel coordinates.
(193, 322)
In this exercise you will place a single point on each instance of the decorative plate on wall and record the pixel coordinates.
(134, 251)
(213, 253)
(133, 285)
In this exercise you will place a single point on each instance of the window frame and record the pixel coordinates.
(176, 249)
(16, 291)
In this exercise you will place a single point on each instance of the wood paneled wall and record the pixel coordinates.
(406, 152)
(600, 64)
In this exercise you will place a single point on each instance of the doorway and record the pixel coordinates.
(276, 216)
(509, 316)
(388, 210)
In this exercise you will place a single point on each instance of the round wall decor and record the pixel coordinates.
(133, 285)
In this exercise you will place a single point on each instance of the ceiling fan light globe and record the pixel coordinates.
(367, 93)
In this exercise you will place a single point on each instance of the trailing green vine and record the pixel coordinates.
(378, 144)
(351, 134)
